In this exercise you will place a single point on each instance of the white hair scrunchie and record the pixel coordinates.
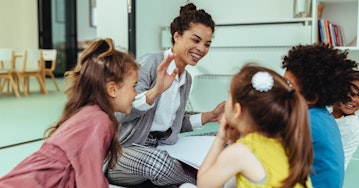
(262, 81)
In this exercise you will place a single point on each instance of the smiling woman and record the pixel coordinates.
(159, 116)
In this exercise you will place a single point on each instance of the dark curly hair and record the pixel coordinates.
(322, 72)
(355, 89)
(190, 15)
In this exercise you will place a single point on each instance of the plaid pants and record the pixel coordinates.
(138, 164)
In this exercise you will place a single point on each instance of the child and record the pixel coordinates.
(266, 126)
(348, 122)
(322, 75)
(74, 152)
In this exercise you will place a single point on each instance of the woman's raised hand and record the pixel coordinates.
(165, 80)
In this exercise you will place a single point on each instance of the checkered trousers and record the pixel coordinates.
(138, 164)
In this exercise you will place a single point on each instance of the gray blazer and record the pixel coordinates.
(135, 127)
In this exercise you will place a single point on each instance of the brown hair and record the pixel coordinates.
(99, 64)
(190, 15)
(279, 113)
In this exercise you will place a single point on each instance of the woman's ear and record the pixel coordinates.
(176, 35)
(111, 88)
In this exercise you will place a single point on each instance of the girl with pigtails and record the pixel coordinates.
(264, 136)
(72, 155)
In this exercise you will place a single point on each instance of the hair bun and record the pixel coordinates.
(186, 8)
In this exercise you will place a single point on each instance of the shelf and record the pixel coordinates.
(337, 1)
(343, 13)
(305, 21)
(347, 48)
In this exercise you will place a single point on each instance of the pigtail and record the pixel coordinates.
(297, 142)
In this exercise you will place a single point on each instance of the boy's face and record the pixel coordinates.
(349, 108)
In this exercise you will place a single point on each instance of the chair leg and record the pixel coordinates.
(8, 87)
(27, 83)
(54, 80)
(14, 88)
(21, 81)
(2, 86)
(42, 84)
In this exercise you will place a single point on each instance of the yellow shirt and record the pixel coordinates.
(272, 156)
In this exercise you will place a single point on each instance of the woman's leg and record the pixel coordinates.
(138, 164)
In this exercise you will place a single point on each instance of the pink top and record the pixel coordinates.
(72, 157)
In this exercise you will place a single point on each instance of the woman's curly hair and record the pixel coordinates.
(190, 15)
(322, 72)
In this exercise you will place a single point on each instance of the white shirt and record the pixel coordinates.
(168, 103)
(349, 131)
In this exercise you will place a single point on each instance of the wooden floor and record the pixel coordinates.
(24, 119)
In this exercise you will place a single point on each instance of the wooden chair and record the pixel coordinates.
(50, 55)
(32, 66)
(7, 60)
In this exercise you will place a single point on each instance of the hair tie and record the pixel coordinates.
(289, 94)
(289, 84)
(262, 81)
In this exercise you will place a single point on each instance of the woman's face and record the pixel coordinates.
(192, 46)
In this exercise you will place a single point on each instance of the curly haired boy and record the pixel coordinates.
(322, 75)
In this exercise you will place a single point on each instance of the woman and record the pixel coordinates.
(159, 109)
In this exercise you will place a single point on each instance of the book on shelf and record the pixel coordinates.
(329, 33)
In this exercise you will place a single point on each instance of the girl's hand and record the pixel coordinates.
(227, 133)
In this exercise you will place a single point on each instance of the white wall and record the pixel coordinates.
(112, 21)
(154, 14)
(19, 25)
(150, 17)
(84, 30)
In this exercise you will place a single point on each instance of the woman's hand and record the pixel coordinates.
(163, 81)
(214, 115)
